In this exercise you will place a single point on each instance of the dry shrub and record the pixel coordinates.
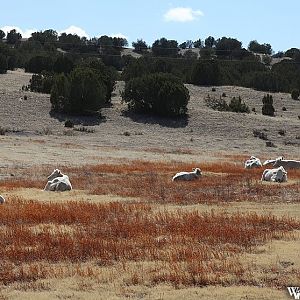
(190, 244)
(221, 182)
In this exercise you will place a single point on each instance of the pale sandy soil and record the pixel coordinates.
(35, 139)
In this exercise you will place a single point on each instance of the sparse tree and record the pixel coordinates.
(13, 37)
(295, 94)
(198, 44)
(2, 34)
(164, 47)
(292, 53)
(268, 108)
(157, 94)
(210, 42)
(87, 92)
(63, 65)
(47, 36)
(140, 46)
(3, 64)
(254, 46)
(205, 73)
(226, 47)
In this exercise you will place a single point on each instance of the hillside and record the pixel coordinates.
(204, 131)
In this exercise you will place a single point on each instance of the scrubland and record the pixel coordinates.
(126, 230)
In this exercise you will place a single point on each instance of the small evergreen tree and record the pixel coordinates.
(63, 65)
(39, 63)
(60, 93)
(2, 34)
(198, 43)
(158, 94)
(13, 37)
(3, 64)
(140, 46)
(236, 105)
(87, 92)
(205, 73)
(164, 47)
(268, 108)
(295, 94)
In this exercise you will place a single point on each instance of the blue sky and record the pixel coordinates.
(273, 22)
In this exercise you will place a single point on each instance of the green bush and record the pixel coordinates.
(236, 105)
(41, 83)
(39, 63)
(82, 92)
(3, 64)
(107, 75)
(216, 104)
(205, 73)
(158, 94)
(60, 93)
(69, 124)
(295, 94)
(87, 91)
(63, 64)
(268, 108)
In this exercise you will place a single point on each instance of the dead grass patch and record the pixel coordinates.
(185, 248)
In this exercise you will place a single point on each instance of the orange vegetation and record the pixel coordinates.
(194, 248)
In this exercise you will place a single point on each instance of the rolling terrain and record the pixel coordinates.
(126, 230)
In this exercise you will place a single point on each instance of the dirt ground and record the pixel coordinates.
(35, 138)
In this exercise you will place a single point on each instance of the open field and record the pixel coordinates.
(126, 230)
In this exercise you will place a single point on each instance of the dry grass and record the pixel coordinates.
(151, 181)
(143, 242)
(192, 248)
(221, 182)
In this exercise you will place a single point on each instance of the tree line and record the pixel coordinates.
(73, 68)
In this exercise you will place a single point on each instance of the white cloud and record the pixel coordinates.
(25, 33)
(74, 30)
(182, 14)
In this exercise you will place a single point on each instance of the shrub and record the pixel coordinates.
(69, 124)
(60, 93)
(216, 104)
(83, 92)
(39, 63)
(63, 65)
(281, 132)
(295, 94)
(84, 129)
(87, 91)
(205, 73)
(107, 75)
(260, 134)
(41, 83)
(158, 94)
(236, 105)
(3, 64)
(268, 108)
(270, 144)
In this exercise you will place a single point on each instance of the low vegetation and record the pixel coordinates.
(220, 104)
(158, 94)
(268, 108)
(139, 241)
